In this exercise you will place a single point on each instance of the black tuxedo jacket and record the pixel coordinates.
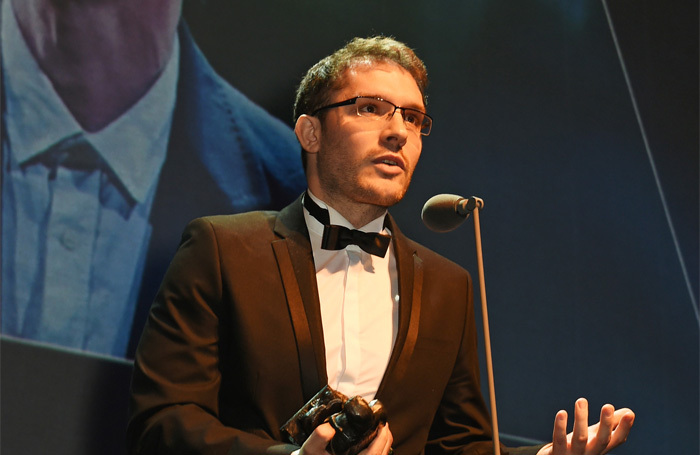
(233, 346)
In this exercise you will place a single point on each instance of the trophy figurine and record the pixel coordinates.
(355, 421)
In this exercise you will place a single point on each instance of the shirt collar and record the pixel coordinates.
(138, 159)
(134, 145)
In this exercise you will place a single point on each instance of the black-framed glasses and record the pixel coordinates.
(375, 108)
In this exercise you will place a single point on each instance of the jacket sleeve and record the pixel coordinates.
(175, 388)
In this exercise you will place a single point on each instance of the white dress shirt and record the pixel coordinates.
(359, 308)
(74, 240)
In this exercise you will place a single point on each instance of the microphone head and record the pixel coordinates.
(440, 213)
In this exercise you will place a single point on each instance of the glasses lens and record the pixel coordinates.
(426, 125)
(417, 120)
(373, 108)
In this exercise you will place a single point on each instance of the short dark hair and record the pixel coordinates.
(327, 75)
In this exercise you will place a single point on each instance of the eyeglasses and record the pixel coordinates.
(376, 109)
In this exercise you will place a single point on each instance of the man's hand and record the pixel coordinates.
(598, 439)
(317, 441)
(381, 444)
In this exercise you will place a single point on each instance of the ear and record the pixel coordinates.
(308, 131)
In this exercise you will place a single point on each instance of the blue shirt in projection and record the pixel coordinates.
(75, 206)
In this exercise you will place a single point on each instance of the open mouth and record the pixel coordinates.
(391, 161)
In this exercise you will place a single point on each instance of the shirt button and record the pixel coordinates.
(69, 239)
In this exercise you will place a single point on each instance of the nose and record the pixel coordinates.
(395, 134)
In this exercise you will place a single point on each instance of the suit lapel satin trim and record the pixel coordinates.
(414, 319)
(302, 333)
(295, 261)
(410, 272)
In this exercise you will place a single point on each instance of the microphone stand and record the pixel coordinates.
(445, 212)
(464, 207)
(479, 203)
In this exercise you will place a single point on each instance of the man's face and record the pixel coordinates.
(365, 161)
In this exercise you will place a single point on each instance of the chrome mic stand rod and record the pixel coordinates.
(485, 320)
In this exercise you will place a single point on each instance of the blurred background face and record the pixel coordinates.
(102, 56)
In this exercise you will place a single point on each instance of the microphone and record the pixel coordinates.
(445, 212)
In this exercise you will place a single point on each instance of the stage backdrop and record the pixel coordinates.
(577, 123)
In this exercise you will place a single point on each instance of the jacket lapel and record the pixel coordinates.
(410, 272)
(295, 261)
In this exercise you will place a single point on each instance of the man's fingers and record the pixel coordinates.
(323, 432)
(604, 429)
(381, 444)
(385, 433)
(624, 419)
(610, 432)
(318, 440)
(559, 443)
(579, 438)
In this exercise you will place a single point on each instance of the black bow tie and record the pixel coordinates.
(338, 237)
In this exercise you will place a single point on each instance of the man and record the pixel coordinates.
(116, 132)
(259, 311)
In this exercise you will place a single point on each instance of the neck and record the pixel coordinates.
(102, 55)
(356, 213)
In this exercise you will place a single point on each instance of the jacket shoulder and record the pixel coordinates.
(255, 224)
(428, 255)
